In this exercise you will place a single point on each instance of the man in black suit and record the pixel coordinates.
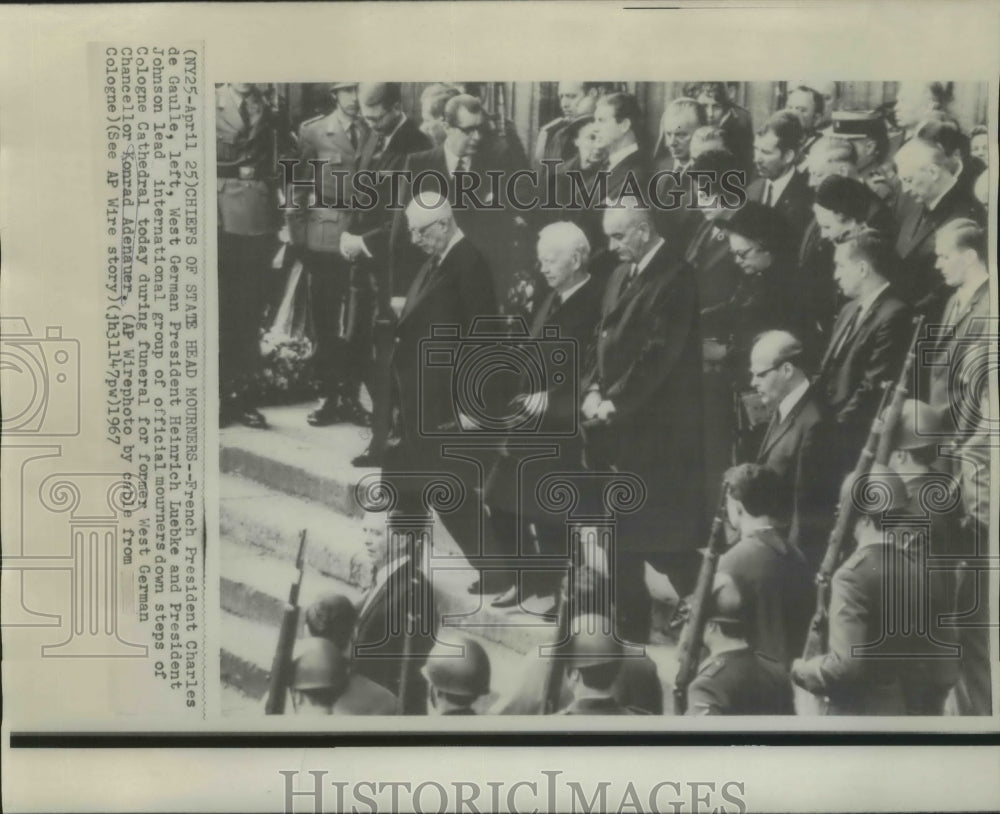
(569, 313)
(779, 185)
(930, 180)
(643, 406)
(733, 120)
(617, 118)
(457, 170)
(398, 587)
(452, 289)
(808, 105)
(392, 139)
(868, 341)
(797, 442)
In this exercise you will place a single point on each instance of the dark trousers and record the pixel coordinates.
(358, 333)
(244, 262)
(632, 600)
(329, 283)
(548, 541)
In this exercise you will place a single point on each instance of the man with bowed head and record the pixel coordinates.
(642, 407)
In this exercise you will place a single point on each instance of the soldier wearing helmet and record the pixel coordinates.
(735, 679)
(456, 677)
(595, 659)
(869, 668)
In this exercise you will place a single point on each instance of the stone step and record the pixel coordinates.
(260, 517)
(297, 459)
(248, 650)
(255, 584)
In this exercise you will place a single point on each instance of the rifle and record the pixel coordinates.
(415, 606)
(694, 631)
(876, 450)
(552, 688)
(281, 667)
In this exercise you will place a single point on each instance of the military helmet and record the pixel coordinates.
(593, 642)
(465, 673)
(920, 425)
(318, 664)
(725, 604)
(877, 491)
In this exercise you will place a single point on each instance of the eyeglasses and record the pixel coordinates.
(472, 128)
(420, 231)
(760, 374)
(743, 254)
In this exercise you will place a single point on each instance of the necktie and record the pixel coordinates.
(557, 301)
(462, 165)
(379, 146)
(245, 114)
(629, 279)
(352, 134)
(768, 194)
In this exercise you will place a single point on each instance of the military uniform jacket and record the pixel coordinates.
(598, 706)
(245, 165)
(648, 363)
(872, 665)
(740, 682)
(327, 138)
(851, 372)
(776, 590)
(915, 243)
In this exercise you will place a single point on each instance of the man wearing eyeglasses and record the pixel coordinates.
(796, 444)
(458, 169)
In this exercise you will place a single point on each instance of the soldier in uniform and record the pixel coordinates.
(552, 142)
(316, 227)
(878, 656)
(770, 574)
(323, 683)
(456, 680)
(248, 225)
(866, 130)
(734, 679)
(595, 662)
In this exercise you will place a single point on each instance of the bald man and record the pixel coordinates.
(452, 288)
(568, 315)
(929, 180)
(797, 442)
(642, 401)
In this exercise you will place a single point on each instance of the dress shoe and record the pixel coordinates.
(508, 599)
(368, 458)
(350, 410)
(325, 415)
(253, 418)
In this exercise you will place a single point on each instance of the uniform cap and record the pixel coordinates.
(342, 85)
(467, 673)
(857, 124)
(318, 664)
